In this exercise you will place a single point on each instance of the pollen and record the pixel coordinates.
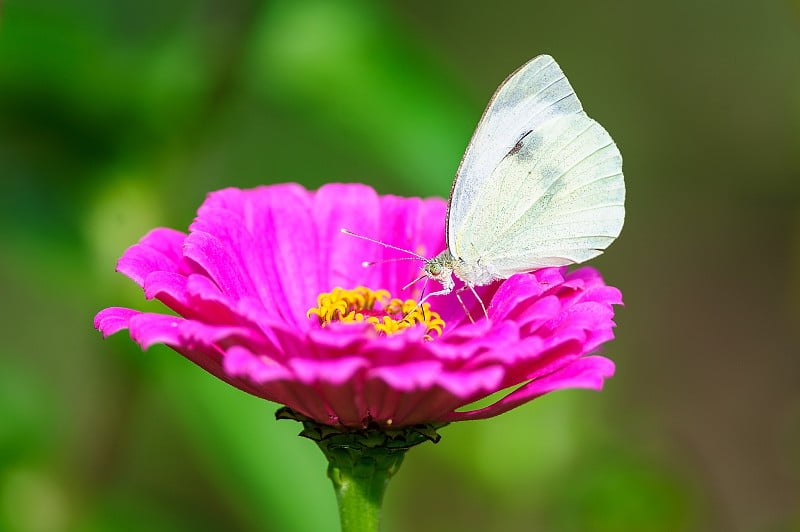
(387, 314)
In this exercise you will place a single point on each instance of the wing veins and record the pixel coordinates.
(511, 236)
(593, 181)
(559, 179)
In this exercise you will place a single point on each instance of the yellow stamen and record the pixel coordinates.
(387, 315)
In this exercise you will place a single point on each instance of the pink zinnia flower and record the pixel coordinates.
(272, 298)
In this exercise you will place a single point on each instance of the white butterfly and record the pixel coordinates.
(540, 185)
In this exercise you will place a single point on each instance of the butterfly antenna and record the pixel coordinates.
(384, 244)
(368, 263)
(416, 256)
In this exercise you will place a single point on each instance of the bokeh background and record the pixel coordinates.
(116, 117)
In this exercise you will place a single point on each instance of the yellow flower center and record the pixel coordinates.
(387, 315)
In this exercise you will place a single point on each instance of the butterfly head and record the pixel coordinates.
(440, 268)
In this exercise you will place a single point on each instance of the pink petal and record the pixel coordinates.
(588, 372)
(241, 362)
(166, 241)
(170, 289)
(228, 215)
(159, 250)
(113, 319)
(337, 371)
(148, 329)
(282, 217)
(355, 208)
(215, 259)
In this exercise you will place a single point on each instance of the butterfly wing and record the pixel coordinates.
(540, 184)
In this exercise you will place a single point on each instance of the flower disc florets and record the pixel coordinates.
(387, 315)
(254, 262)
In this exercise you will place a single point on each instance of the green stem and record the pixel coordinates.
(360, 480)
(361, 462)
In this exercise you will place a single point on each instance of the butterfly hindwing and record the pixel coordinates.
(532, 95)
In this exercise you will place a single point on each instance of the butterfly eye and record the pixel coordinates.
(434, 269)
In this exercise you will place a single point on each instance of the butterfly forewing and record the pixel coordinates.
(531, 96)
(551, 192)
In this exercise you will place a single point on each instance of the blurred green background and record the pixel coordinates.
(116, 117)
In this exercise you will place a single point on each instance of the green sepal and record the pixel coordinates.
(370, 436)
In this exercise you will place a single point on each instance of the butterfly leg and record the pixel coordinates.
(483, 307)
(472, 289)
(446, 290)
(466, 310)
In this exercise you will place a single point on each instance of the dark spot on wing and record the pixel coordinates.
(518, 145)
(516, 148)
